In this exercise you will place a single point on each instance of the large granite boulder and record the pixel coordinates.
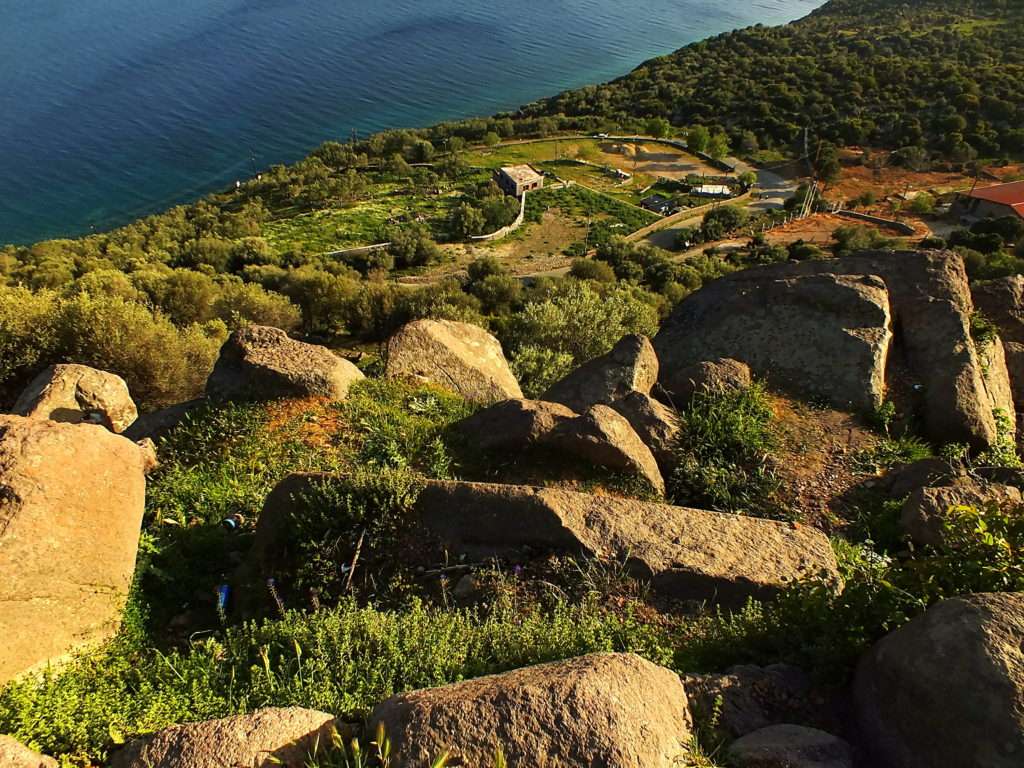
(158, 424)
(13, 754)
(747, 698)
(790, 746)
(711, 376)
(829, 335)
(924, 512)
(657, 425)
(267, 738)
(71, 504)
(77, 393)
(1014, 354)
(1002, 302)
(512, 425)
(603, 437)
(685, 553)
(459, 356)
(603, 709)
(902, 480)
(263, 363)
(948, 687)
(630, 366)
(825, 335)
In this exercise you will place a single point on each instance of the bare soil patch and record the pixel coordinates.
(816, 459)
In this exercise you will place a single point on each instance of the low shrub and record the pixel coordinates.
(342, 660)
(161, 362)
(813, 625)
(723, 453)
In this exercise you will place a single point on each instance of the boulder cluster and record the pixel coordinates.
(856, 330)
(945, 689)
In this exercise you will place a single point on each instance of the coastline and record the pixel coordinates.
(195, 182)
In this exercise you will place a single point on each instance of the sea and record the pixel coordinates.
(113, 109)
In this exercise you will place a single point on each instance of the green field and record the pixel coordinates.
(362, 223)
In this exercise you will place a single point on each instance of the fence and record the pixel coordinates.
(899, 226)
(359, 249)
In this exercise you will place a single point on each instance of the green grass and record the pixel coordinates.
(599, 179)
(358, 224)
(577, 201)
(341, 660)
(531, 152)
(348, 655)
(224, 461)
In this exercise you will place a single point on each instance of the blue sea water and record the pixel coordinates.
(112, 109)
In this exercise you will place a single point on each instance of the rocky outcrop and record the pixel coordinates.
(716, 376)
(601, 437)
(655, 424)
(78, 393)
(71, 505)
(903, 480)
(159, 424)
(828, 336)
(263, 363)
(790, 746)
(685, 553)
(924, 512)
(267, 738)
(1013, 351)
(512, 425)
(747, 698)
(948, 687)
(604, 438)
(13, 754)
(825, 335)
(458, 356)
(1002, 302)
(283, 505)
(602, 709)
(631, 366)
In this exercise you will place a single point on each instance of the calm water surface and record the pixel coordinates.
(111, 109)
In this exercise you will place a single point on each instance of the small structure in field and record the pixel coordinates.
(991, 202)
(712, 190)
(658, 204)
(516, 179)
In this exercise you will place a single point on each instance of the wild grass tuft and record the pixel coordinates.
(724, 453)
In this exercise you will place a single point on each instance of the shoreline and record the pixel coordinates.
(220, 181)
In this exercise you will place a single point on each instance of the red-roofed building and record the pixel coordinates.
(992, 202)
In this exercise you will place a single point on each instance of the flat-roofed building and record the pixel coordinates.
(516, 179)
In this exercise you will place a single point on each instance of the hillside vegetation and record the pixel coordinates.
(945, 77)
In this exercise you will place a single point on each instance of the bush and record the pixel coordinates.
(721, 221)
(162, 363)
(537, 368)
(580, 321)
(242, 304)
(723, 453)
(341, 660)
(362, 512)
(28, 332)
(858, 238)
(589, 269)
